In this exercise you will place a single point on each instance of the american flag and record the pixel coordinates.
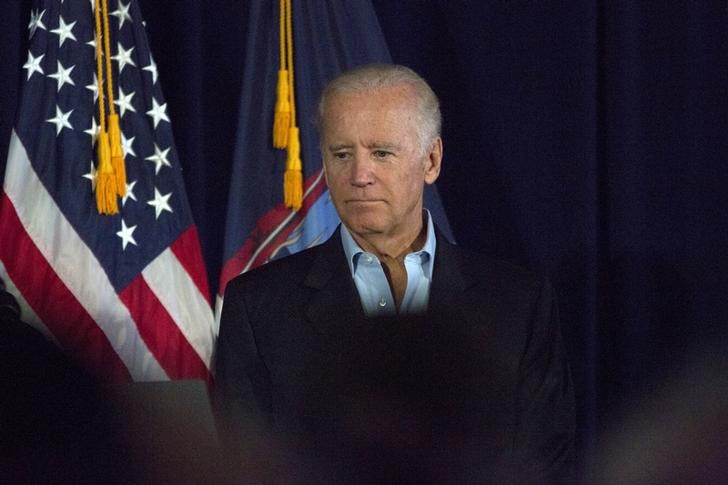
(127, 294)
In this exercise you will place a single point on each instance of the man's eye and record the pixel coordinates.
(381, 154)
(340, 155)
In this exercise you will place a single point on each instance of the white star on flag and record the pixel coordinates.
(62, 76)
(93, 131)
(61, 120)
(36, 22)
(122, 13)
(33, 64)
(94, 88)
(124, 102)
(160, 203)
(64, 31)
(152, 67)
(123, 57)
(126, 145)
(159, 158)
(91, 175)
(158, 112)
(127, 235)
(129, 193)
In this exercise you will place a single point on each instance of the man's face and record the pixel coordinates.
(375, 167)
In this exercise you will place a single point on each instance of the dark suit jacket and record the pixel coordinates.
(478, 388)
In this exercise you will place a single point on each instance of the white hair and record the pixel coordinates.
(371, 77)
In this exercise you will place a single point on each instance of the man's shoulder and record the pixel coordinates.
(486, 269)
(288, 269)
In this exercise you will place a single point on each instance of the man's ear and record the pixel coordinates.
(434, 161)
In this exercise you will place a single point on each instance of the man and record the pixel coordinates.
(470, 379)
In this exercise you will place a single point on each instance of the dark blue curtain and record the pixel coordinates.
(585, 140)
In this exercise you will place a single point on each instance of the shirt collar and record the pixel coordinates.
(353, 250)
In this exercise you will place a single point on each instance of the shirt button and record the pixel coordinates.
(370, 259)
(382, 302)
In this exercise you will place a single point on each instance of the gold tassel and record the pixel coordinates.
(282, 116)
(117, 155)
(110, 171)
(105, 180)
(293, 177)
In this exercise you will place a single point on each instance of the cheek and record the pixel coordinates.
(337, 182)
(333, 176)
(408, 189)
(410, 180)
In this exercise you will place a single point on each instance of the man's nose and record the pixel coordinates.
(361, 171)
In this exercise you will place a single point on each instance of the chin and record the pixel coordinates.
(365, 226)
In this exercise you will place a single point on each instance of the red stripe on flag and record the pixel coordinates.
(188, 252)
(268, 252)
(60, 311)
(263, 228)
(161, 334)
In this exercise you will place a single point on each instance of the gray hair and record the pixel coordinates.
(371, 77)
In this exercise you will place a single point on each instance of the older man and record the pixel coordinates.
(400, 351)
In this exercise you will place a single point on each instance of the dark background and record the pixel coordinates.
(586, 140)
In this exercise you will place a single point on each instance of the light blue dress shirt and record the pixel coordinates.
(371, 282)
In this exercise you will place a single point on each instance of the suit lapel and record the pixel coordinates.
(335, 299)
(449, 281)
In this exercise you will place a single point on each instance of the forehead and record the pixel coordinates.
(384, 108)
